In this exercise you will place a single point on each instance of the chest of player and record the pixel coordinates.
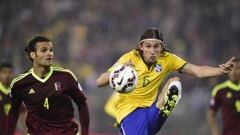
(231, 100)
(150, 74)
(36, 91)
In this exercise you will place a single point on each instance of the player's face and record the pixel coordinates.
(43, 56)
(6, 75)
(151, 50)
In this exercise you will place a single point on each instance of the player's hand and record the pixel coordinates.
(228, 66)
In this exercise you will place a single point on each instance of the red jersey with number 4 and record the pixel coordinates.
(48, 101)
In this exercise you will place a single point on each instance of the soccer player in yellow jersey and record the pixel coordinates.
(141, 112)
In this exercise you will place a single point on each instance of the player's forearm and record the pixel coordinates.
(207, 71)
(12, 121)
(211, 117)
(202, 71)
(103, 80)
(84, 118)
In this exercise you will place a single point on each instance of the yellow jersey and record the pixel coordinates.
(149, 80)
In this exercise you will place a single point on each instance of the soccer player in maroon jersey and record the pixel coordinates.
(6, 74)
(47, 91)
(227, 97)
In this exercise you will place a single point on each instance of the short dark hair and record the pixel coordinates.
(5, 65)
(151, 33)
(31, 46)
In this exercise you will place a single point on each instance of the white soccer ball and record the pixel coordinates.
(123, 79)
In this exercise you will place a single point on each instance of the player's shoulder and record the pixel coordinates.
(219, 87)
(132, 55)
(168, 55)
(20, 78)
(66, 71)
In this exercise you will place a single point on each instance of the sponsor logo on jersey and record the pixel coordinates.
(31, 91)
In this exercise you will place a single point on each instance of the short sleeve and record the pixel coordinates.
(75, 89)
(177, 63)
(13, 92)
(215, 101)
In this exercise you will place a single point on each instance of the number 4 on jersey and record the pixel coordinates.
(46, 104)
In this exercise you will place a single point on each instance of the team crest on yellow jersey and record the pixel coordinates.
(158, 68)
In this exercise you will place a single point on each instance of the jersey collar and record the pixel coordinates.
(44, 79)
(233, 86)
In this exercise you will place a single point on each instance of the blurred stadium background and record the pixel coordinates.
(89, 35)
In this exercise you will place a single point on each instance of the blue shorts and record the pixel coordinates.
(143, 121)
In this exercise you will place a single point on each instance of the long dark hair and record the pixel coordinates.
(152, 33)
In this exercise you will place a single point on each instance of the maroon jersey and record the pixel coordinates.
(227, 97)
(4, 107)
(48, 101)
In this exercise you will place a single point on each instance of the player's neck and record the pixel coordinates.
(41, 71)
(148, 64)
(235, 81)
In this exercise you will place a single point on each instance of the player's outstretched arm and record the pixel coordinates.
(211, 117)
(208, 71)
(13, 117)
(103, 79)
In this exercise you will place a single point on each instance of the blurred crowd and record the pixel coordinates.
(90, 35)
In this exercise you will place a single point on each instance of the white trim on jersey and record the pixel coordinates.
(80, 87)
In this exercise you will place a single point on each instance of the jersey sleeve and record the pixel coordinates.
(176, 63)
(75, 90)
(79, 98)
(16, 102)
(215, 101)
(15, 95)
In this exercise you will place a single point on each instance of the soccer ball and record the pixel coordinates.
(123, 79)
